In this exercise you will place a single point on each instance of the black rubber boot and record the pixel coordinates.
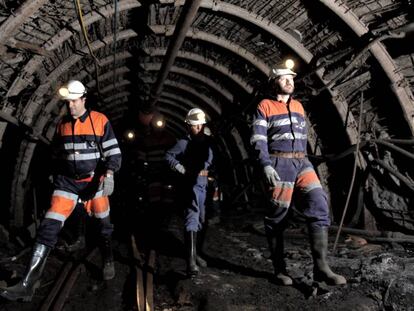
(108, 269)
(201, 235)
(319, 247)
(25, 289)
(192, 268)
(80, 242)
(276, 247)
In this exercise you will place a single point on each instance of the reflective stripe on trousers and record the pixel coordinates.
(298, 183)
(67, 193)
(64, 202)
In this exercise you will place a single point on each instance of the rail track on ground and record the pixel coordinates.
(144, 264)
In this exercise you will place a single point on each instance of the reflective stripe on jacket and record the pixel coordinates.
(77, 147)
(278, 126)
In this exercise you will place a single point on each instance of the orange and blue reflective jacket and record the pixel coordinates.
(80, 145)
(278, 126)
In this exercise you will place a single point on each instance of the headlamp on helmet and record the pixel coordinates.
(277, 72)
(195, 116)
(74, 89)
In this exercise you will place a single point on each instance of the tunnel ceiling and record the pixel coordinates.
(341, 48)
(226, 56)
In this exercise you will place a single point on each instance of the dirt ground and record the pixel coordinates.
(238, 276)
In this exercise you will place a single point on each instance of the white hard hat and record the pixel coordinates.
(195, 116)
(74, 89)
(277, 72)
(207, 131)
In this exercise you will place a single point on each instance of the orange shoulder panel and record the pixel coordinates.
(85, 128)
(98, 120)
(272, 108)
(296, 106)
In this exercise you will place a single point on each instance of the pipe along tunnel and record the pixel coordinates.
(145, 65)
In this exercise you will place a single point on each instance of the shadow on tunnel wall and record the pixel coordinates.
(8, 156)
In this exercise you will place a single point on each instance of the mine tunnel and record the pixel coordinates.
(143, 66)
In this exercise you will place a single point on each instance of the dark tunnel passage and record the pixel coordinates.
(144, 68)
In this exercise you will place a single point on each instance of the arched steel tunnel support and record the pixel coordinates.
(273, 29)
(185, 130)
(399, 85)
(116, 104)
(12, 24)
(184, 22)
(220, 140)
(215, 6)
(181, 99)
(175, 105)
(110, 99)
(190, 90)
(27, 148)
(192, 74)
(279, 33)
(108, 75)
(207, 62)
(224, 43)
(159, 29)
(103, 62)
(25, 77)
(235, 134)
(45, 114)
(215, 66)
(117, 85)
(265, 69)
(171, 113)
(35, 102)
(238, 50)
(18, 186)
(81, 76)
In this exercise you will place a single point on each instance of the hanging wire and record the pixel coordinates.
(85, 36)
(115, 33)
(353, 171)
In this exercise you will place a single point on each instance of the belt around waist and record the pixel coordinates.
(203, 173)
(290, 155)
(80, 176)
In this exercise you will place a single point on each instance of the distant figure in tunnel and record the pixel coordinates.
(279, 138)
(191, 157)
(86, 156)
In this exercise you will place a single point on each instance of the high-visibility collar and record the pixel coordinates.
(83, 117)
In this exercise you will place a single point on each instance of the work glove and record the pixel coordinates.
(108, 185)
(271, 175)
(180, 168)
